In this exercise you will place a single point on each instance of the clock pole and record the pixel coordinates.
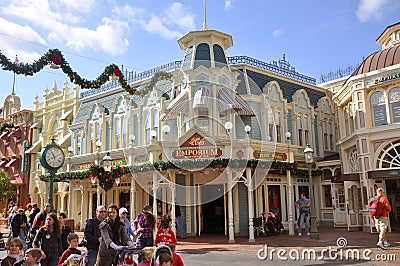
(51, 180)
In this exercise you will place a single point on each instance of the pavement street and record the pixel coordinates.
(288, 250)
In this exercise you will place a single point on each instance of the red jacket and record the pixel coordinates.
(177, 260)
(168, 238)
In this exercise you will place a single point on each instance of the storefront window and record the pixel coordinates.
(394, 98)
(378, 109)
(327, 196)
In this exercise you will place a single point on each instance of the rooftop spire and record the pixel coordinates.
(16, 62)
(205, 16)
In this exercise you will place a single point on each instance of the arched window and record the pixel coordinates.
(346, 121)
(147, 127)
(117, 133)
(155, 121)
(300, 130)
(306, 130)
(389, 156)
(219, 56)
(202, 56)
(378, 109)
(394, 102)
(124, 131)
(278, 125)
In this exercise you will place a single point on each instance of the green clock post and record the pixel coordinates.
(52, 158)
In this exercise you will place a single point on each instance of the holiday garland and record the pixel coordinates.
(54, 56)
(107, 179)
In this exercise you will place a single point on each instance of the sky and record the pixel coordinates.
(316, 36)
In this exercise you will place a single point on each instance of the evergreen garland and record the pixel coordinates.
(106, 180)
(54, 56)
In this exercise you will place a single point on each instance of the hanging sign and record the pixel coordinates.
(263, 155)
(197, 147)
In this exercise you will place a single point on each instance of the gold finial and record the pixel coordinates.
(205, 16)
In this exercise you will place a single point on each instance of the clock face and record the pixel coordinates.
(54, 157)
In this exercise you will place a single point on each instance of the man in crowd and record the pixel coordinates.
(93, 236)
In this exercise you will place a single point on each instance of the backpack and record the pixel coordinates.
(376, 207)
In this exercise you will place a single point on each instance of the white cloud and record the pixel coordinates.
(64, 28)
(155, 25)
(228, 4)
(11, 44)
(276, 33)
(177, 15)
(79, 5)
(368, 9)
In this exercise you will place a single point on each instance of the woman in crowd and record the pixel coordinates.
(114, 237)
(65, 230)
(15, 252)
(48, 239)
(144, 225)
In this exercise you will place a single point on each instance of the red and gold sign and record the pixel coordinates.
(263, 155)
(197, 147)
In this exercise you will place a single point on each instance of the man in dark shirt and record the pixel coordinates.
(35, 210)
(93, 235)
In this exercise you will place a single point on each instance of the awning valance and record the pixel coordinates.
(201, 98)
(16, 133)
(66, 115)
(226, 100)
(4, 135)
(3, 163)
(13, 163)
(35, 147)
(178, 105)
(65, 141)
(245, 109)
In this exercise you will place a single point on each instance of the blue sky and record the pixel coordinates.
(316, 36)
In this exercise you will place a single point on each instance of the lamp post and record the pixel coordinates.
(288, 135)
(107, 167)
(228, 126)
(308, 155)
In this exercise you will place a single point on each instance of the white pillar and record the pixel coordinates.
(155, 188)
(82, 206)
(231, 229)
(172, 186)
(250, 203)
(90, 203)
(70, 197)
(290, 204)
(133, 203)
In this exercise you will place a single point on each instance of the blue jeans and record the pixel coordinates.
(180, 227)
(91, 255)
(23, 238)
(304, 216)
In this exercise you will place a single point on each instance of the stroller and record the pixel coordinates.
(272, 225)
(157, 252)
(126, 256)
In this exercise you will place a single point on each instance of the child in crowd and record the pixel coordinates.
(165, 235)
(73, 241)
(177, 259)
(15, 252)
(166, 260)
(32, 257)
(147, 253)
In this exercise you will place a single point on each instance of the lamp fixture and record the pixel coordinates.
(132, 138)
(107, 162)
(288, 135)
(228, 126)
(166, 129)
(117, 181)
(93, 180)
(98, 143)
(70, 150)
(153, 134)
(308, 154)
(247, 128)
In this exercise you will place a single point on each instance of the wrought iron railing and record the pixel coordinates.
(340, 73)
(275, 67)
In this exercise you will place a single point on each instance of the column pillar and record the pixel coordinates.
(231, 230)
(250, 203)
(133, 203)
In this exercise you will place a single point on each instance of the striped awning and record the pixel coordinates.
(245, 109)
(36, 147)
(226, 100)
(13, 163)
(16, 132)
(179, 104)
(4, 135)
(201, 98)
(3, 163)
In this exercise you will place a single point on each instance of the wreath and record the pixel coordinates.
(105, 178)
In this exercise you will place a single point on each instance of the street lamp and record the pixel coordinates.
(153, 134)
(107, 167)
(247, 128)
(288, 135)
(166, 129)
(228, 126)
(308, 155)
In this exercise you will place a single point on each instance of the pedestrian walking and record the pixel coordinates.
(93, 236)
(48, 239)
(144, 225)
(114, 237)
(178, 221)
(123, 213)
(379, 209)
(19, 226)
(40, 219)
(303, 204)
(65, 230)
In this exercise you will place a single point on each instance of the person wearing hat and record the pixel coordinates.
(19, 225)
(144, 225)
(123, 213)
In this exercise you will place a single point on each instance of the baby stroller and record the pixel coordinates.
(272, 225)
(159, 250)
(126, 256)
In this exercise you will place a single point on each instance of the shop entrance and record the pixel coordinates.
(393, 195)
(212, 209)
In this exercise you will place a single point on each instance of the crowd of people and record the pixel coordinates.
(43, 238)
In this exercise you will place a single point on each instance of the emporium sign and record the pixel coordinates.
(197, 147)
(385, 78)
